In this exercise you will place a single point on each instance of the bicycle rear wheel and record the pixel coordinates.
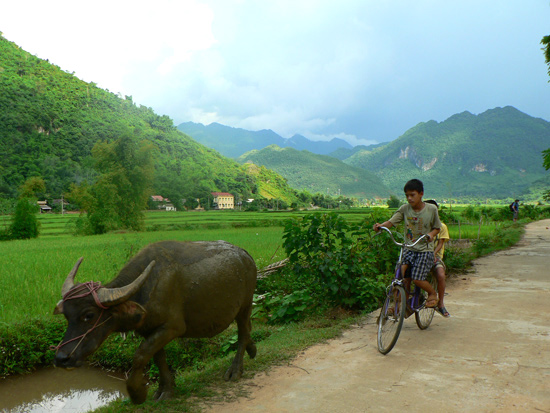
(425, 315)
(391, 318)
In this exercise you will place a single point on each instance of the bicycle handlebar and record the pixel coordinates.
(402, 244)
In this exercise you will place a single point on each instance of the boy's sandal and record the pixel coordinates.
(443, 311)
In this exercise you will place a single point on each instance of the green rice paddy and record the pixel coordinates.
(32, 271)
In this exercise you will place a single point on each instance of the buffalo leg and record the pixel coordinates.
(244, 342)
(136, 383)
(166, 379)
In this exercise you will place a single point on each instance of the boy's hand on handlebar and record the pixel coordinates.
(377, 227)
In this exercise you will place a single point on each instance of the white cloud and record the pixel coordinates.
(359, 69)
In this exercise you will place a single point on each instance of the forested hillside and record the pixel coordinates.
(318, 173)
(50, 120)
(495, 154)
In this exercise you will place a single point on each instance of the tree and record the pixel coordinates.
(24, 223)
(32, 187)
(394, 202)
(119, 197)
(546, 42)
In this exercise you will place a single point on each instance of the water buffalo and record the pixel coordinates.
(169, 289)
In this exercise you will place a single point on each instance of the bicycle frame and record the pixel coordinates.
(414, 300)
(396, 307)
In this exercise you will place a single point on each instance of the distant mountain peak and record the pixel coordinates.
(495, 154)
(234, 142)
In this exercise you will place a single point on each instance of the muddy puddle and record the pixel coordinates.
(58, 390)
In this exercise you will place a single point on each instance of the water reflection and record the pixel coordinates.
(59, 390)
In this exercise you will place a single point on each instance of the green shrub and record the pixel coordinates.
(25, 345)
(337, 263)
(288, 308)
(457, 259)
(471, 214)
(24, 223)
(394, 202)
(503, 237)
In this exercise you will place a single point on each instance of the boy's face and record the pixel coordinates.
(414, 198)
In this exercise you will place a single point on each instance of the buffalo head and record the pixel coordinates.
(93, 312)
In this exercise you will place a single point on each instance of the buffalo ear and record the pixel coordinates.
(129, 314)
(58, 308)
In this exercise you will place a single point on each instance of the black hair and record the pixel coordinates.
(414, 185)
(431, 201)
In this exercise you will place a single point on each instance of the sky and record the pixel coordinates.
(365, 71)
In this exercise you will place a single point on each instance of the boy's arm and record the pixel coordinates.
(432, 234)
(439, 245)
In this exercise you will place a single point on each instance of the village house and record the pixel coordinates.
(44, 207)
(223, 200)
(163, 203)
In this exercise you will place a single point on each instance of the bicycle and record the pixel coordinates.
(396, 306)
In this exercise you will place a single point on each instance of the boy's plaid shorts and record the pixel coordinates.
(420, 263)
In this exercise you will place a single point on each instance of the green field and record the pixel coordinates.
(57, 224)
(34, 270)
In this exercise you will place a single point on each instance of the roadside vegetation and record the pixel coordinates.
(312, 297)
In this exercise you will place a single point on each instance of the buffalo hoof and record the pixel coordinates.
(233, 373)
(161, 395)
(251, 350)
(138, 394)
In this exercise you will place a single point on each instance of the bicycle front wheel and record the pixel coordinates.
(391, 318)
(425, 315)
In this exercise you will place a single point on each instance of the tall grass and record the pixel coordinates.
(34, 270)
(472, 231)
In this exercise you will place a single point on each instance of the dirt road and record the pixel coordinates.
(493, 355)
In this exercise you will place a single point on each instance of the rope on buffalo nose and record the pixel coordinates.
(80, 291)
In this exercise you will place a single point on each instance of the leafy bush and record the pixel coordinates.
(505, 236)
(501, 214)
(471, 214)
(24, 223)
(533, 212)
(287, 308)
(336, 263)
(23, 346)
(457, 259)
(394, 202)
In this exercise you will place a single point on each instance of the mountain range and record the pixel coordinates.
(233, 142)
(50, 121)
(496, 154)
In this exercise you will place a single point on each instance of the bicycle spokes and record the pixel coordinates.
(391, 318)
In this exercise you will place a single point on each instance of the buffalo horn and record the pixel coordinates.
(114, 296)
(69, 281)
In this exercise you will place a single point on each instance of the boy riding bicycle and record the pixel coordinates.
(420, 218)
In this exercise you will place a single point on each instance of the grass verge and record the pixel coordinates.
(202, 380)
